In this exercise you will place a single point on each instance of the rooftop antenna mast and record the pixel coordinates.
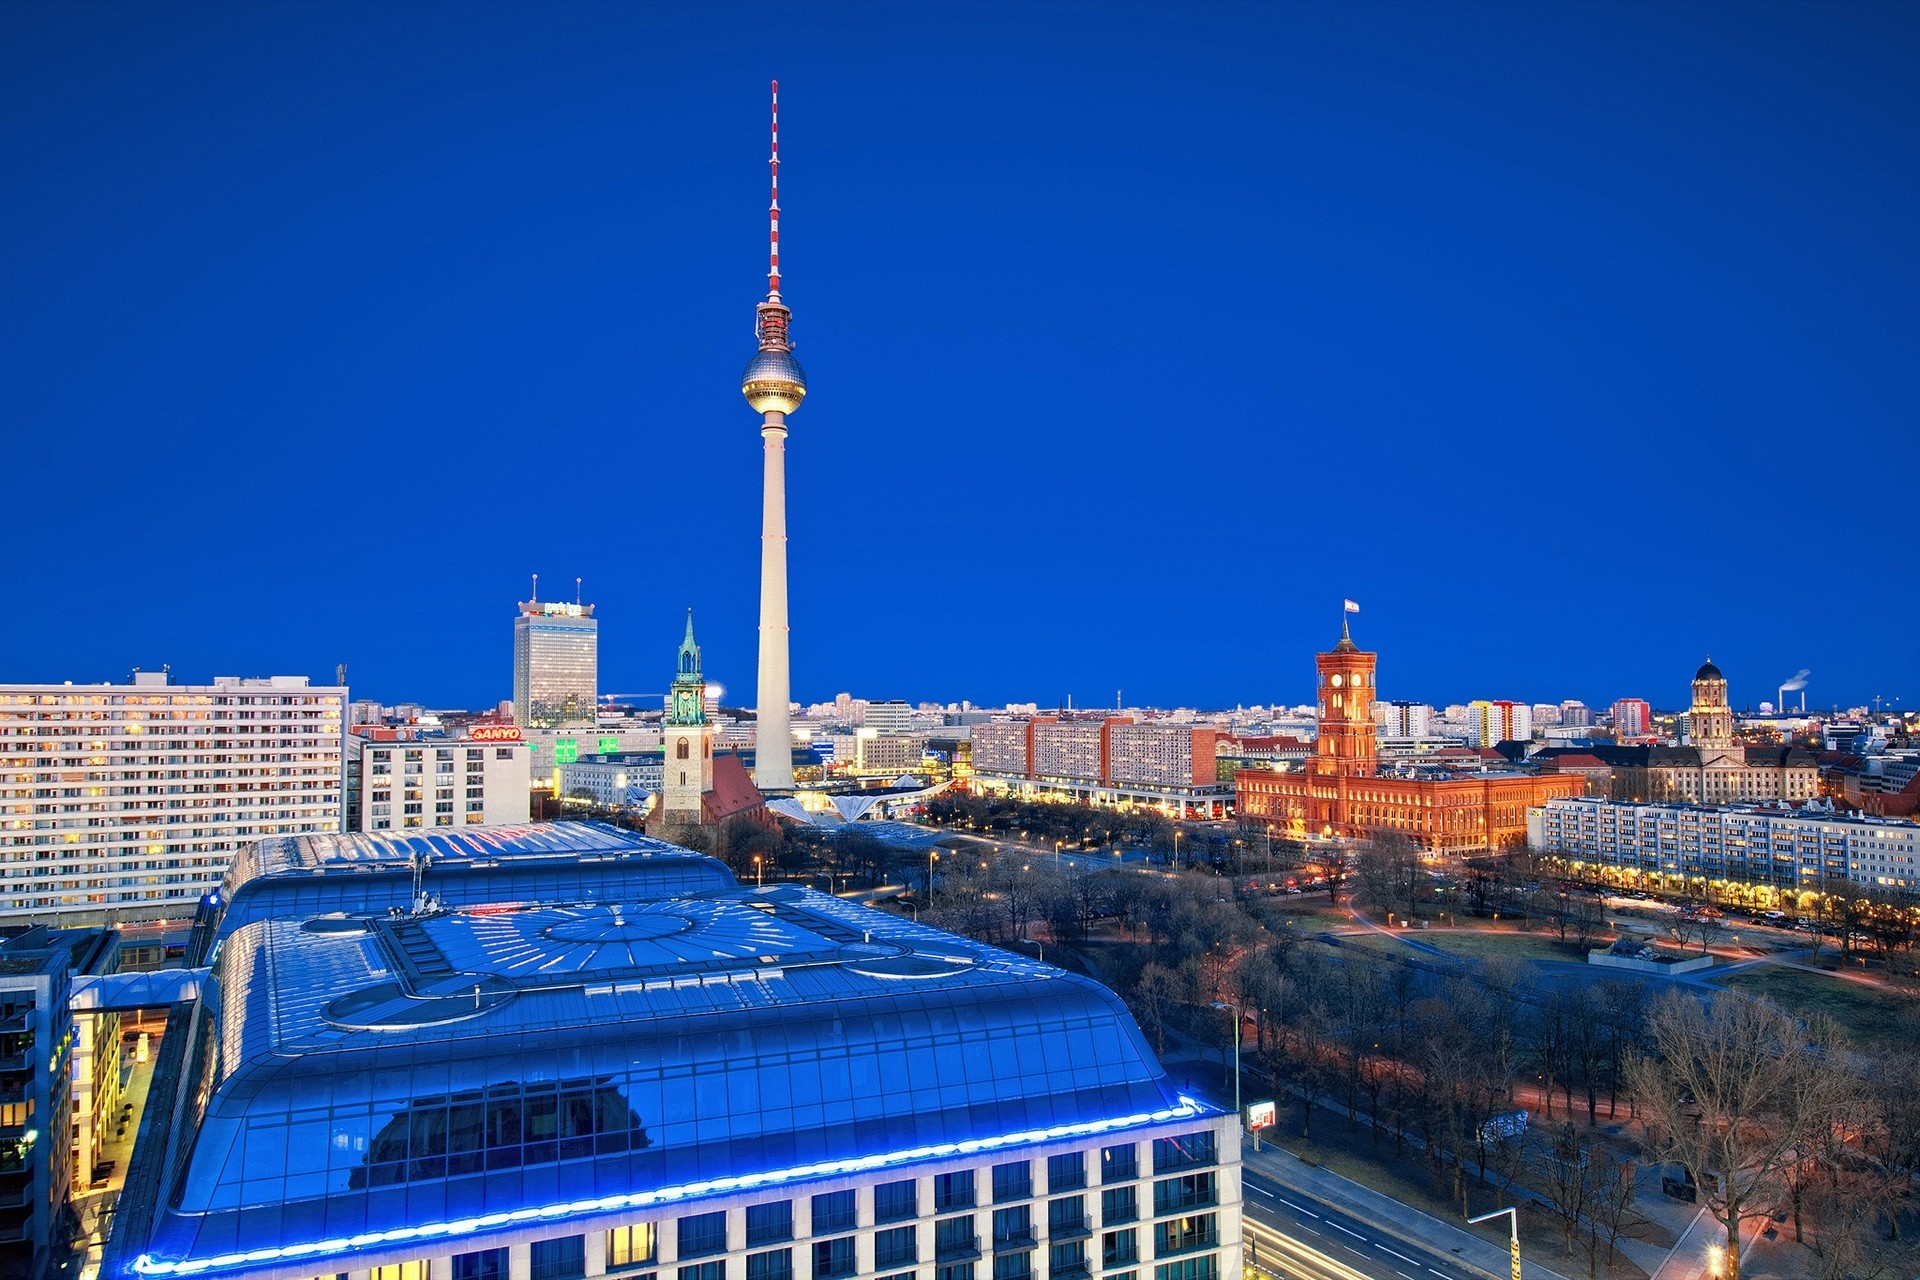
(536, 589)
(576, 591)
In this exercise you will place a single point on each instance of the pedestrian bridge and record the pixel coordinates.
(125, 992)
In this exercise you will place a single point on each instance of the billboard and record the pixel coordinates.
(1259, 1115)
(495, 733)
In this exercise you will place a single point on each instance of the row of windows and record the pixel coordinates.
(627, 1248)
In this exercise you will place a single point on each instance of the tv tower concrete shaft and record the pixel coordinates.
(773, 732)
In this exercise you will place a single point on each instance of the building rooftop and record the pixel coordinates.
(294, 877)
(374, 1076)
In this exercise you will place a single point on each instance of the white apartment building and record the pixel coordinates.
(879, 753)
(891, 716)
(398, 781)
(1490, 723)
(1161, 755)
(1674, 844)
(629, 778)
(1000, 746)
(1399, 719)
(133, 797)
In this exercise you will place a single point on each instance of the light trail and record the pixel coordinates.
(1281, 1257)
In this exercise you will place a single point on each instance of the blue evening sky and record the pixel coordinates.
(1575, 341)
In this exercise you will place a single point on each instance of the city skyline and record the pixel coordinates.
(1529, 340)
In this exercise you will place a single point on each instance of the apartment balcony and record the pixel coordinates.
(1069, 1228)
(959, 1249)
(1015, 1242)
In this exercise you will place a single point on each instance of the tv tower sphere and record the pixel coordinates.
(773, 382)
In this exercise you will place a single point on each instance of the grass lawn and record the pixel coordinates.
(1481, 944)
(1869, 1014)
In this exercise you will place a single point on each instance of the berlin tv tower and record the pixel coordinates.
(774, 385)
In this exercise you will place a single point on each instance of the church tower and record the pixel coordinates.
(686, 737)
(1710, 720)
(1347, 746)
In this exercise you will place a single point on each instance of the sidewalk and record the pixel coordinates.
(1689, 1258)
(1409, 1225)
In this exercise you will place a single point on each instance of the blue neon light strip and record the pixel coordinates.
(147, 1264)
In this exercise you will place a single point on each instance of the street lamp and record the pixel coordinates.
(1239, 1015)
(932, 857)
(1513, 1224)
(759, 873)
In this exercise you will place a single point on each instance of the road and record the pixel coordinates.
(1289, 1235)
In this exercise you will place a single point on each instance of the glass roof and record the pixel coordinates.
(359, 1073)
(293, 877)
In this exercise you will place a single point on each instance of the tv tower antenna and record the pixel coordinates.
(773, 208)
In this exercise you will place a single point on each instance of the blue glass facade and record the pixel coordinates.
(367, 1076)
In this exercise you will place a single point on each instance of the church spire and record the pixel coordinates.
(689, 647)
(687, 703)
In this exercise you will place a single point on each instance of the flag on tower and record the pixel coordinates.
(1352, 607)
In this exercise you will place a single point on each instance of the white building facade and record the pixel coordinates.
(401, 784)
(132, 798)
(1783, 849)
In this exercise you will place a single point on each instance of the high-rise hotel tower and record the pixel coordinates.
(774, 385)
(556, 663)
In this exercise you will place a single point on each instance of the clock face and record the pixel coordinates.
(1337, 681)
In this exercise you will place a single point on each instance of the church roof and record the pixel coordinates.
(733, 790)
(1708, 671)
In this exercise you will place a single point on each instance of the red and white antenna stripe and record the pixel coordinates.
(773, 210)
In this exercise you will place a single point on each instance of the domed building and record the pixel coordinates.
(1709, 766)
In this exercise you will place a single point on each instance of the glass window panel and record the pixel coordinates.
(1012, 1266)
(896, 1247)
(1012, 1181)
(775, 1264)
(1067, 1172)
(632, 1246)
(833, 1258)
(564, 1258)
(833, 1211)
(702, 1234)
(769, 1222)
(1121, 1163)
(486, 1264)
(896, 1201)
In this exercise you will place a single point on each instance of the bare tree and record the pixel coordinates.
(1612, 1210)
(1732, 1089)
(1155, 997)
(1563, 1170)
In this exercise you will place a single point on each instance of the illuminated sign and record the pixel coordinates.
(496, 733)
(1259, 1115)
(566, 751)
(609, 746)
